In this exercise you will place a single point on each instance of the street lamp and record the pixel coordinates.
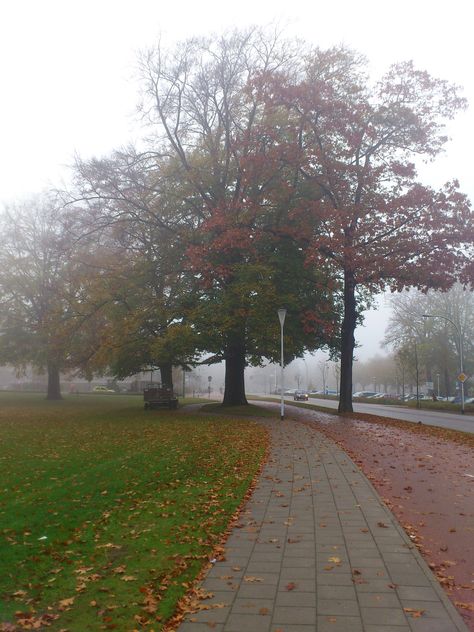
(461, 376)
(281, 316)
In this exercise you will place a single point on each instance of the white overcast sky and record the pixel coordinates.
(67, 71)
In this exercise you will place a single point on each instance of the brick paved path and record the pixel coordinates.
(315, 550)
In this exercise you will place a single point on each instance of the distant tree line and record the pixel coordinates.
(272, 174)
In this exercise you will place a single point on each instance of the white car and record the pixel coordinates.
(364, 394)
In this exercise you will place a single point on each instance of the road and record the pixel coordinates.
(455, 421)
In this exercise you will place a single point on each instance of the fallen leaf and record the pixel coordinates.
(416, 614)
(464, 605)
(251, 578)
(119, 570)
(290, 586)
(263, 611)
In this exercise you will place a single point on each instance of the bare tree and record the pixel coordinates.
(438, 339)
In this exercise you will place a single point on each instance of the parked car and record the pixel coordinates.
(364, 394)
(102, 389)
(457, 399)
(300, 396)
(378, 396)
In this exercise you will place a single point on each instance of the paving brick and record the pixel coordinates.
(379, 600)
(386, 628)
(422, 593)
(295, 598)
(337, 607)
(433, 625)
(297, 572)
(338, 624)
(337, 592)
(303, 585)
(383, 616)
(252, 605)
(292, 628)
(294, 615)
(247, 623)
(257, 592)
(191, 626)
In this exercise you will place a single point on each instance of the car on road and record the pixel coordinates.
(300, 396)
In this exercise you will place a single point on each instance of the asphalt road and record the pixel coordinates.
(455, 421)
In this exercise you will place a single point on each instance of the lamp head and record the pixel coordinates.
(281, 315)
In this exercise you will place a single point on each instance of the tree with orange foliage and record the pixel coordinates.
(352, 145)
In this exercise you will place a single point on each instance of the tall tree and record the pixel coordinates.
(132, 230)
(34, 278)
(212, 167)
(354, 144)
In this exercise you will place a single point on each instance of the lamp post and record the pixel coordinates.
(437, 375)
(307, 374)
(418, 405)
(281, 317)
(459, 333)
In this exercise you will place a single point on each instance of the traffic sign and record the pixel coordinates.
(462, 377)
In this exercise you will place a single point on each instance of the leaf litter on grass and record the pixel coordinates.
(131, 506)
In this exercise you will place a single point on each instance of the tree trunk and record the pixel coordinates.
(54, 387)
(347, 343)
(166, 371)
(234, 394)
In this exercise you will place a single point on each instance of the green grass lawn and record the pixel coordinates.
(108, 512)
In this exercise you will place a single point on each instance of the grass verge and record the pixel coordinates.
(109, 512)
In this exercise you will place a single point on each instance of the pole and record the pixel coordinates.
(417, 378)
(281, 316)
(461, 362)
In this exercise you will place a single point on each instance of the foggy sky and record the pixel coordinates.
(68, 72)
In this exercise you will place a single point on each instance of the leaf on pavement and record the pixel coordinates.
(416, 614)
